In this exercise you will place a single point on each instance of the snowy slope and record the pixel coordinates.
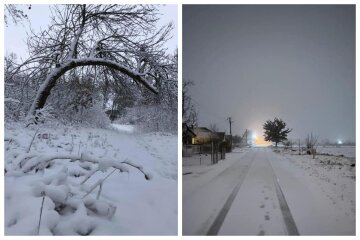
(128, 204)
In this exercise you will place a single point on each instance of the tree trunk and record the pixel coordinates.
(50, 81)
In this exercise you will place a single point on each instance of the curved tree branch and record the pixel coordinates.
(56, 73)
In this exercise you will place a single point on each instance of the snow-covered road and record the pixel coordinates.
(260, 192)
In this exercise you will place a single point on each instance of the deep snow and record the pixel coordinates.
(128, 204)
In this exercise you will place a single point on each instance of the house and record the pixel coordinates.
(204, 136)
(202, 140)
(208, 141)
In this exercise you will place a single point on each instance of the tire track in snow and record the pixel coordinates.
(215, 227)
(285, 210)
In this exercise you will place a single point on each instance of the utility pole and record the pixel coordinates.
(246, 135)
(229, 118)
(231, 142)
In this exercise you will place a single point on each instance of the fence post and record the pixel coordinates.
(212, 153)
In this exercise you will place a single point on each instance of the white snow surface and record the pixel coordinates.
(128, 204)
(123, 127)
(320, 193)
(347, 151)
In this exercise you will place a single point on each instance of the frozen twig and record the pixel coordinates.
(140, 168)
(32, 140)
(41, 209)
(99, 182)
(42, 161)
(89, 175)
(99, 192)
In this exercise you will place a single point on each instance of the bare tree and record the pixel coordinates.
(13, 12)
(83, 38)
(311, 143)
(213, 127)
(189, 114)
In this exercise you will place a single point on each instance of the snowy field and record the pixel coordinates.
(331, 179)
(347, 151)
(112, 181)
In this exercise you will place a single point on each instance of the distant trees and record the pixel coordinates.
(288, 144)
(276, 131)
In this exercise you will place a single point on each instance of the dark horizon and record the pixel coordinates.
(257, 62)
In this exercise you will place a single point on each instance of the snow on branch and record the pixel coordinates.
(8, 99)
(50, 81)
(39, 162)
(125, 38)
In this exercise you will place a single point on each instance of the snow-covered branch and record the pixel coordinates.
(40, 161)
(50, 81)
(9, 99)
(87, 39)
(75, 41)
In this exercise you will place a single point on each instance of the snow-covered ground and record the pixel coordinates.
(241, 196)
(123, 127)
(127, 204)
(330, 180)
(347, 151)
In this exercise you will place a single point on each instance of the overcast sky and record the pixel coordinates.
(254, 63)
(39, 17)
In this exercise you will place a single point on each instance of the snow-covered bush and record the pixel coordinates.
(94, 116)
(59, 183)
(78, 101)
(19, 90)
(42, 115)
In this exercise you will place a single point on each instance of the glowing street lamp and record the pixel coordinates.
(339, 142)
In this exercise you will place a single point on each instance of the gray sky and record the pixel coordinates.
(39, 16)
(254, 63)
